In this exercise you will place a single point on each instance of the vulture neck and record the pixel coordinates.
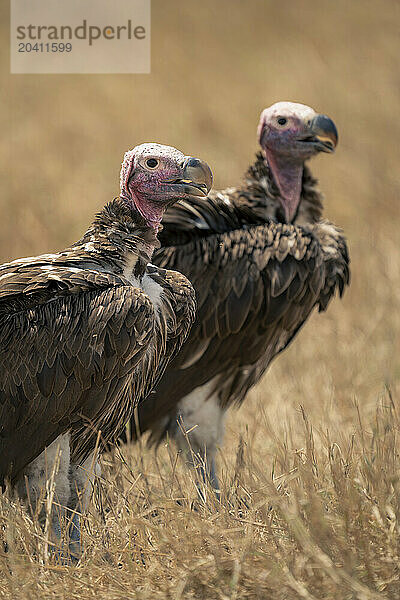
(263, 188)
(123, 238)
(288, 177)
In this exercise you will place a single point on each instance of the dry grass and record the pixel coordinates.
(311, 495)
(314, 514)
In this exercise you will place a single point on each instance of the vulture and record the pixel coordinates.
(261, 258)
(86, 333)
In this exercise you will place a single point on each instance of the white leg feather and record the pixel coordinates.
(204, 418)
(52, 465)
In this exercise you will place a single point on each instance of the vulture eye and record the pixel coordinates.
(152, 163)
(282, 121)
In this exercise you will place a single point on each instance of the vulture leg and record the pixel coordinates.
(48, 472)
(200, 433)
(82, 479)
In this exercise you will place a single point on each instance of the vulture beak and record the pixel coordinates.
(323, 131)
(197, 177)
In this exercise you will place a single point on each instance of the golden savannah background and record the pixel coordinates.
(310, 463)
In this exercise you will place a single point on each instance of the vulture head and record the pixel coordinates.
(289, 134)
(154, 176)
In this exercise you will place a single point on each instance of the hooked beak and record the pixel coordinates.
(323, 133)
(196, 178)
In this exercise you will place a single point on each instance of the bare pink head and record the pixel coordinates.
(154, 176)
(289, 134)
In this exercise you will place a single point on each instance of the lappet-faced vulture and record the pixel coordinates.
(261, 259)
(85, 333)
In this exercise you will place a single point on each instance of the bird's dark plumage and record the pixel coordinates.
(86, 333)
(257, 279)
(80, 343)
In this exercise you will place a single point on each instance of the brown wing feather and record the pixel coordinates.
(67, 340)
(177, 314)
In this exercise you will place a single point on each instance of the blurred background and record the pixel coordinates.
(215, 66)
